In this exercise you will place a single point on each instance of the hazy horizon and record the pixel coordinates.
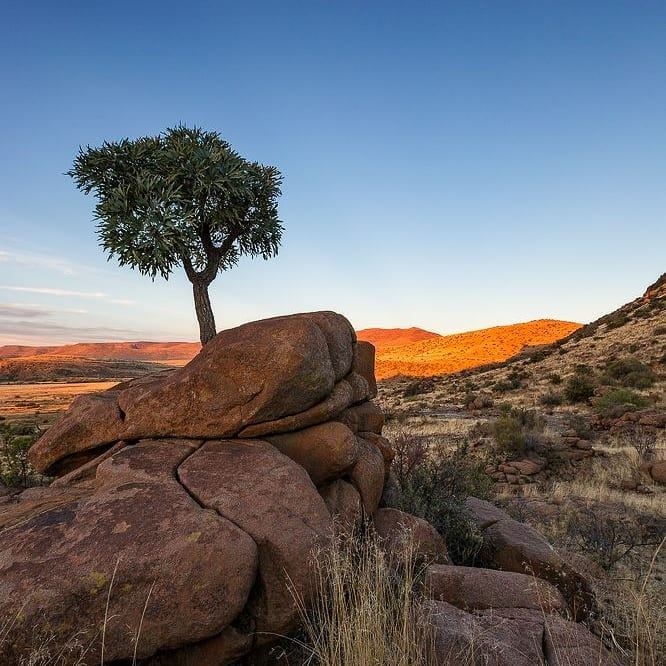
(450, 167)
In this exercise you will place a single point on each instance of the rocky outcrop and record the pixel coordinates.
(191, 504)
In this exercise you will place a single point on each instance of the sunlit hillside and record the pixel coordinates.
(451, 353)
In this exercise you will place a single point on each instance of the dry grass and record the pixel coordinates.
(366, 610)
(637, 621)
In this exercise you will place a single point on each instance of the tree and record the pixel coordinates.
(182, 198)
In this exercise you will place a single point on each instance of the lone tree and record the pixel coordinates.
(184, 197)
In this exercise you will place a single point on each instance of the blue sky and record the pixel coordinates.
(449, 165)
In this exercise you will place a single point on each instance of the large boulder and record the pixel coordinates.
(326, 451)
(513, 546)
(191, 505)
(137, 537)
(260, 372)
(273, 500)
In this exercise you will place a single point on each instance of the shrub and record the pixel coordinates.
(504, 386)
(609, 536)
(660, 330)
(508, 434)
(580, 425)
(616, 320)
(478, 401)
(418, 387)
(643, 440)
(555, 378)
(551, 399)
(628, 371)
(514, 380)
(435, 488)
(15, 440)
(618, 402)
(579, 388)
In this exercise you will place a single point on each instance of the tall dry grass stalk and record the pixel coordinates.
(640, 616)
(366, 610)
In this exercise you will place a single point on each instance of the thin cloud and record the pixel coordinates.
(57, 264)
(51, 291)
(46, 262)
(19, 310)
(14, 331)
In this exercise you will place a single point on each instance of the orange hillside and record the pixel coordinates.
(452, 353)
(383, 338)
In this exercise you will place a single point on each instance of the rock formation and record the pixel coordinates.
(198, 494)
(189, 507)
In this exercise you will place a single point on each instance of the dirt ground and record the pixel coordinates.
(42, 403)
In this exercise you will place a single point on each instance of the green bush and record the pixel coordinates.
(508, 434)
(514, 380)
(551, 399)
(618, 402)
(616, 321)
(579, 388)
(15, 440)
(630, 372)
(435, 489)
(418, 387)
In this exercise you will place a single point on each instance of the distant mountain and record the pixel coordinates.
(47, 368)
(438, 355)
(384, 338)
(126, 351)
(400, 351)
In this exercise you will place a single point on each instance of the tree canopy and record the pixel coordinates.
(182, 198)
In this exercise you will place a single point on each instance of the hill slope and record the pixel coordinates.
(637, 331)
(452, 353)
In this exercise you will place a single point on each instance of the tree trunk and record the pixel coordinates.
(204, 312)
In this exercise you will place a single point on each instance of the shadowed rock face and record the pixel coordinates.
(195, 500)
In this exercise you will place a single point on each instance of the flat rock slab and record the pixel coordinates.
(511, 637)
(463, 638)
(471, 588)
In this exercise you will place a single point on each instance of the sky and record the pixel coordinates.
(448, 165)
